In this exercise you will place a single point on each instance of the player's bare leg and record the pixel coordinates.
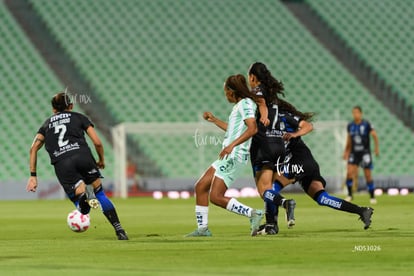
(217, 197)
(109, 210)
(202, 189)
(370, 185)
(351, 172)
(317, 191)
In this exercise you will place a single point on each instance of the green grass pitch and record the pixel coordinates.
(35, 240)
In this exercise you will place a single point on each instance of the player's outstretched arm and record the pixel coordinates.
(211, 118)
(304, 128)
(247, 134)
(36, 146)
(98, 146)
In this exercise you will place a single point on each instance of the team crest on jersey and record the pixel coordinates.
(362, 129)
(282, 126)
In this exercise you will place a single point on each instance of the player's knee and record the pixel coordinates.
(317, 196)
(80, 189)
(97, 189)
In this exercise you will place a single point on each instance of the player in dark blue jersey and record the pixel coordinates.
(75, 167)
(301, 166)
(358, 152)
(267, 147)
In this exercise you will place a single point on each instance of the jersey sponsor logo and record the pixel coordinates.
(67, 148)
(60, 116)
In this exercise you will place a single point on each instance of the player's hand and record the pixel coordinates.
(225, 151)
(377, 153)
(31, 184)
(345, 156)
(100, 164)
(265, 121)
(287, 136)
(208, 116)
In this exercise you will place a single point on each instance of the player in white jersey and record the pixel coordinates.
(240, 128)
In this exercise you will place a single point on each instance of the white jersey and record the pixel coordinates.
(244, 109)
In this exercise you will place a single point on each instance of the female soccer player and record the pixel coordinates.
(268, 149)
(75, 167)
(233, 157)
(358, 152)
(296, 124)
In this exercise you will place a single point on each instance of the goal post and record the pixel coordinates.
(119, 137)
(198, 144)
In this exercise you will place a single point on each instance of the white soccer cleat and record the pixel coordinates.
(348, 198)
(373, 201)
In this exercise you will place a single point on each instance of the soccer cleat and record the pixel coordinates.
(255, 219)
(93, 202)
(366, 216)
(268, 229)
(373, 201)
(200, 233)
(122, 235)
(290, 205)
(91, 198)
(348, 198)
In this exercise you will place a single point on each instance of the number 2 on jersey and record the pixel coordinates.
(61, 129)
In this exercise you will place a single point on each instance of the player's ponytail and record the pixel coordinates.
(286, 106)
(271, 85)
(61, 102)
(237, 84)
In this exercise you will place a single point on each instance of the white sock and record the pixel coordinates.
(201, 217)
(239, 208)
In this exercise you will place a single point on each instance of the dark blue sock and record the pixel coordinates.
(108, 209)
(325, 199)
(277, 187)
(273, 197)
(270, 212)
(371, 188)
(105, 202)
(349, 183)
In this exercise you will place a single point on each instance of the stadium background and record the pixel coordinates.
(165, 61)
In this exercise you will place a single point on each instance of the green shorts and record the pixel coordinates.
(228, 170)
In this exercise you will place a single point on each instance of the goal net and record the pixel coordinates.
(172, 155)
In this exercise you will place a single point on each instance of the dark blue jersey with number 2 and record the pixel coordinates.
(64, 134)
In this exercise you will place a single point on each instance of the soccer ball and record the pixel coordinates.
(78, 222)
